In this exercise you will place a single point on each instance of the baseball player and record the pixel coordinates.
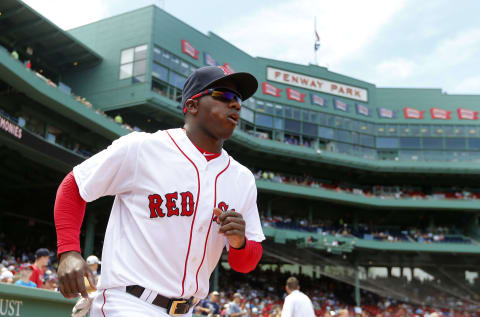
(296, 304)
(179, 200)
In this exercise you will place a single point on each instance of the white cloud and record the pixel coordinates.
(397, 68)
(468, 85)
(286, 31)
(69, 14)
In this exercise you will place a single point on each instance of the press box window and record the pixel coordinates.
(386, 143)
(133, 63)
(263, 120)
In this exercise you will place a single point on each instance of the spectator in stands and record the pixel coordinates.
(234, 309)
(42, 256)
(15, 54)
(118, 119)
(343, 313)
(24, 276)
(296, 304)
(210, 306)
(51, 283)
(6, 277)
(92, 262)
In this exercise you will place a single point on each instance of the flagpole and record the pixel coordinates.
(316, 44)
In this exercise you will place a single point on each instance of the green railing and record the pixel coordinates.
(320, 193)
(347, 244)
(34, 302)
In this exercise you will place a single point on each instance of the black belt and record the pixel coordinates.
(174, 306)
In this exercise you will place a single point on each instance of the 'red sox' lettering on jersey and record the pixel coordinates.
(155, 202)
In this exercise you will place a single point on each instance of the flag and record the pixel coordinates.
(386, 113)
(466, 114)
(317, 100)
(317, 37)
(440, 114)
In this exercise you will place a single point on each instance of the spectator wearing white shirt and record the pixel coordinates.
(296, 304)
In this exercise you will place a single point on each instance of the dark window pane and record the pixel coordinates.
(141, 52)
(347, 124)
(433, 143)
(269, 108)
(344, 136)
(410, 143)
(279, 110)
(387, 143)
(296, 114)
(263, 120)
(160, 72)
(184, 68)
(313, 116)
(278, 123)
(292, 125)
(157, 54)
(474, 144)
(246, 114)
(425, 130)
(177, 80)
(367, 140)
(305, 115)
(139, 67)
(460, 130)
(455, 143)
(326, 133)
(310, 129)
(288, 112)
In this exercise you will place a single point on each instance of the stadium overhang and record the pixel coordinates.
(22, 28)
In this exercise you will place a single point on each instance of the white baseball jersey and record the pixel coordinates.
(161, 233)
(297, 304)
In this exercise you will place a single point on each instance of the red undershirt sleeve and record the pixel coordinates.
(246, 259)
(68, 214)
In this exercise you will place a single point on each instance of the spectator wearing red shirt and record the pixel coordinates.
(42, 256)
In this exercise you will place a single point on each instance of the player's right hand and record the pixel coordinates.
(71, 272)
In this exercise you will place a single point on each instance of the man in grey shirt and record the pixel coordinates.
(234, 309)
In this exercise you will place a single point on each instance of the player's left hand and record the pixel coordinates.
(232, 226)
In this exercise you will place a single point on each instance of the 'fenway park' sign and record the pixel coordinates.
(317, 84)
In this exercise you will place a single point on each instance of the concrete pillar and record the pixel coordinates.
(89, 234)
(216, 278)
(269, 208)
(357, 285)
(310, 213)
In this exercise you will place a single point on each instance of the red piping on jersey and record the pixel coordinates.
(104, 301)
(211, 220)
(194, 213)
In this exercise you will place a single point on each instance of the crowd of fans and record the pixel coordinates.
(28, 269)
(261, 294)
(62, 87)
(258, 294)
(364, 231)
(377, 191)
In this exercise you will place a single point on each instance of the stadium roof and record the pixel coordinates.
(22, 27)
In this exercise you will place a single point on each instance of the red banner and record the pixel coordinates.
(411, 113)
(465, 114)
(188, 49)
(293, 94)
(228, 69)
(269, 89)
(440, 114)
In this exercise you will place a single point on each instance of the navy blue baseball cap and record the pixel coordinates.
(213, 77)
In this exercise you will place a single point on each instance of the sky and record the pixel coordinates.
(389, 43)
